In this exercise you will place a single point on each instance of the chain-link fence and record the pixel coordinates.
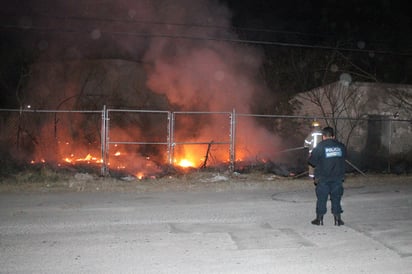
(36, 136)
(147, 142)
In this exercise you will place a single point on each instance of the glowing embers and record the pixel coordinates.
(39, 161)
(72, 159)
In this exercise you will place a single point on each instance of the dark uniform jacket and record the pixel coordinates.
(328, 158)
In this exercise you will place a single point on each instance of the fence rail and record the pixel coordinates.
(49, 133)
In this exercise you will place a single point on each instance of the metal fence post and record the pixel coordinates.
(169, 137)
(104, 143)
(172, 137)
(232, 150)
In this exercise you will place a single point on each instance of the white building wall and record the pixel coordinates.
(362, 102)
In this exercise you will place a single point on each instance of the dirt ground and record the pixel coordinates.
(201, 222)
(193, 181)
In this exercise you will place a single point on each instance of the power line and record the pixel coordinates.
(191, 25)
(237, 30)
(218, 39)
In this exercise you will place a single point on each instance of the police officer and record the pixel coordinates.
(311, 141)
(328, 158)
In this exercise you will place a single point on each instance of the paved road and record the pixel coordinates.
(245, 231)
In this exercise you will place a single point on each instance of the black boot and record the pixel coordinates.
(338, 220)
(318, 220)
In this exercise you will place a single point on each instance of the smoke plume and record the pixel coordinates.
(185, 47)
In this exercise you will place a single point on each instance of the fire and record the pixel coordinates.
(125, 160)
(185, 163)
(34, 161)
(88, 159)
(139, 175)
(189, 156)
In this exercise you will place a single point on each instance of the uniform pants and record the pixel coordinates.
(324, 188)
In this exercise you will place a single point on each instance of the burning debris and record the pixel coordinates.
(203, 74)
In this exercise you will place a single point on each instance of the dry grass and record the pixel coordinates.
(52, 181)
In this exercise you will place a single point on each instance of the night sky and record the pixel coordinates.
(371, 39)
(380, 23)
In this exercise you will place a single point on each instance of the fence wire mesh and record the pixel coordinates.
(145, 142)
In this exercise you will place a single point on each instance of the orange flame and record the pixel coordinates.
(139, 175)
(185, 163)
